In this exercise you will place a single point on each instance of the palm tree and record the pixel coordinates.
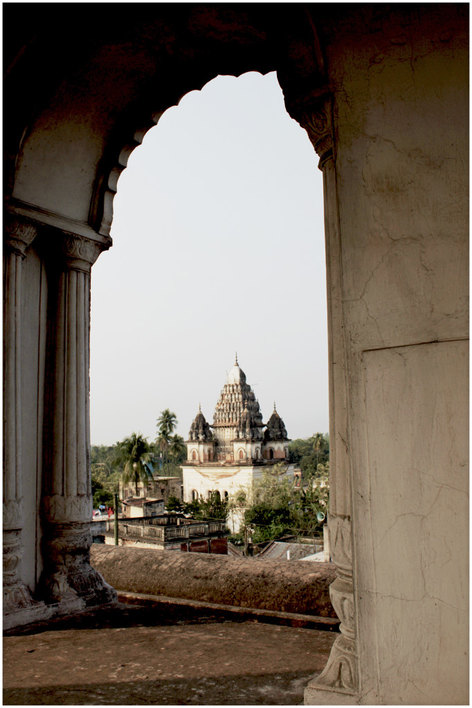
(177, 449)
(165, 427)
(320, 448)
(133, 454)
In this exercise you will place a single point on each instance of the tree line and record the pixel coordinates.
(135, 459)
(277, 507)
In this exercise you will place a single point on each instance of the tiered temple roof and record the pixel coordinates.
(238, 408)
(237, 417)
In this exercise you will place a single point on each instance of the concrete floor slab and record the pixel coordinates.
(179, 656)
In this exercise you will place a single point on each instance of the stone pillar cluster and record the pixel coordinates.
(18, 605)
(68, 579)
(68, 582)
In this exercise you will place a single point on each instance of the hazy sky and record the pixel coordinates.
(218, 248)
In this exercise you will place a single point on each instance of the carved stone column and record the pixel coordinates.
(339, 682)
(68, 579)
(18, 605)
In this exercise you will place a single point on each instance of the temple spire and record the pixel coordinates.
(236, 360)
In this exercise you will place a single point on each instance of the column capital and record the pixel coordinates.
(80, 252)
(315, 116)
(20, 232)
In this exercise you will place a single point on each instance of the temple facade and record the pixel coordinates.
(230, 455)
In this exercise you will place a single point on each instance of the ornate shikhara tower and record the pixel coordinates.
(230, 454)
(237, 432)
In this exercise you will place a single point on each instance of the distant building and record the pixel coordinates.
(158, 487)
(169, 532)
(138, 507)
(231, 454)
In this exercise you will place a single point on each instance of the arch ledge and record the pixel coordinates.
(56, 221)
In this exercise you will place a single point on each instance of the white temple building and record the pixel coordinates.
(231, 454)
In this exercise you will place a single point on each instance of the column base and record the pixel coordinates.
(91, 587)
(68, 579)
(317, 695)
(19, 608)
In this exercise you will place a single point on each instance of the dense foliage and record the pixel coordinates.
(277, 507)
(212, 508)
(280, 509)
(134, 459)
(106, 474)
(134, 455)
(169, 449)
(308, 454)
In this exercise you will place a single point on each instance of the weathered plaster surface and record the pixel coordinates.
(414, 605)
(402, 142)
(401, 128)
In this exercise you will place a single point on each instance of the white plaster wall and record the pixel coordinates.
(415, 604)
(402, 147)
(203, 479)
(401, 112)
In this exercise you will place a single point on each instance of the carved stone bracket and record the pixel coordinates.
(341, 671)
(340, 534)
(318, 124)
(316, 118)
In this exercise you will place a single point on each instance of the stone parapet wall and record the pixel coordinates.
(295, 586)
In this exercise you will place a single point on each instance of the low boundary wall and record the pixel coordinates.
(285, 586)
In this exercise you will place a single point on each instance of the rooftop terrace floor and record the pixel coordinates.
(162, 654)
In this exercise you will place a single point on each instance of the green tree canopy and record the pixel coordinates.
(169, 449)
(278, 508)
(310, 453)
(134, 454)
(106, 472)
(166, 424)
(211, 508)
(177, 449)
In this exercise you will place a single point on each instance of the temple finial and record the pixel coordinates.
(236, 360)
(275, 408)
(199, 407)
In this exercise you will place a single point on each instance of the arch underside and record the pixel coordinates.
(70, 146)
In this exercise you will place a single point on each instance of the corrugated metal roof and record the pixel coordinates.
(297, 551)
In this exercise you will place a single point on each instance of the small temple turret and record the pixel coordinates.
(201, 443)
(275, 438)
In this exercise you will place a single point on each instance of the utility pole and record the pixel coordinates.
(115, 525)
